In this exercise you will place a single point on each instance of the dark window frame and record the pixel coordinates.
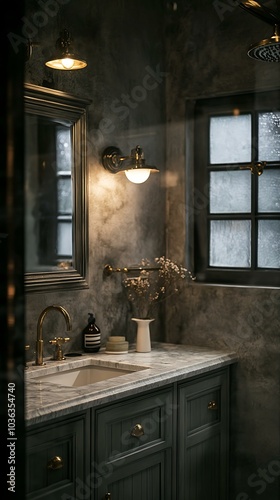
(203, 109)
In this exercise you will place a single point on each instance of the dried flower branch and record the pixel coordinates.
(154, 286)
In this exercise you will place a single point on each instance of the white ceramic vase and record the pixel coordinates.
(143, 338)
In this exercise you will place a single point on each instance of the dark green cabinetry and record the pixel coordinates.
(167, 444)
(203, 429)
(57, 458)
(133, 448)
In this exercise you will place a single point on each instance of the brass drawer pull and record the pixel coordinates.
(212, 405)
(55, 463)
(137, 431)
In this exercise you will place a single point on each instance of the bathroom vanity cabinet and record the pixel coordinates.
(167, 443)
(202, 438)
(133, 448)
(57, 458)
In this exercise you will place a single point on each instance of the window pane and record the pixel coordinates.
(269, 191)
(64, 239)
(64, 195)
(269, 136)
(230, 191)
(269, 243)
(230, 139)
(63, 148)
(230, 243)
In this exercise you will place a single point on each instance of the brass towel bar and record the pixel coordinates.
(108, 269)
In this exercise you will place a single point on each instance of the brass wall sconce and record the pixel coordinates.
(134, 166)
(65, 58)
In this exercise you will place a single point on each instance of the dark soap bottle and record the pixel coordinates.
(91, 335)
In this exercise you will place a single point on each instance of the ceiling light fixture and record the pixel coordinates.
(134, 166)
(65, 58)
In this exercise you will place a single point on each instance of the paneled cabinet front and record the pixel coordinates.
(166, 444)
(203, 429)
(57, 465)
(132, 448)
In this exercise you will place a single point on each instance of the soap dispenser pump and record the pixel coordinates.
(91, 335)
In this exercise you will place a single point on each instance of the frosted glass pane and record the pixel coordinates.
(64, 238)
(63, 149)
(230, 243)
(269, 244)
(269, 191)
(230, 139)
(230, 191)
(64, 195)
(269, 136)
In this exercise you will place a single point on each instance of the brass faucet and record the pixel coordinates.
(40, 342)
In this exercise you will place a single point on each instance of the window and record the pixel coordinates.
(64, 194)
(236, 211)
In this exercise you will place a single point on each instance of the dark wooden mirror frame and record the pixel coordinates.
(51, 103)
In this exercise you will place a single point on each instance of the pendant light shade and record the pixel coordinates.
(65, 58)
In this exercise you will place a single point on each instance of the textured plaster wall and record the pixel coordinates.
(206, 46)
(125, 81)
(201, 50)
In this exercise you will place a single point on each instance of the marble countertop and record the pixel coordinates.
(166, 363)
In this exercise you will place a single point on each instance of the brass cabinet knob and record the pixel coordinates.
(55, 463)
(212, 405)
(137, 431)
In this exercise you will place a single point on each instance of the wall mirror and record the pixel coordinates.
(56, 221)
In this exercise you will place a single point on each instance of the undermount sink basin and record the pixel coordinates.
(84, 375)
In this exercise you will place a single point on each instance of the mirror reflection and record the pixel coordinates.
(48, 210)
(55, 190)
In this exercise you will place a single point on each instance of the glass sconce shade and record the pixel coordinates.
(64, 58)
(134, 166)
(137, 175)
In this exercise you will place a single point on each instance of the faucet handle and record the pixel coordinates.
(58, 341)
(26, 348)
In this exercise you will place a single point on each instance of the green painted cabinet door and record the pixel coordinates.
(132, 448)
(203, 428)
(57, 459)
(145, 479)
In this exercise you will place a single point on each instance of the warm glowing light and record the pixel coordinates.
(67, 63)
(137, 175)
(236, 112)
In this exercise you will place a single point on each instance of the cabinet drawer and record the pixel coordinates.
(136, 425)
(56, 455)
(202, 402)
